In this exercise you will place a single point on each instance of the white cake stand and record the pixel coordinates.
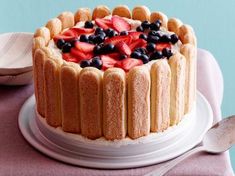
(155, 148)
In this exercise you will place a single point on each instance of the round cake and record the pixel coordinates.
(114, 74)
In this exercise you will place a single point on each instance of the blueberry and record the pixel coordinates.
(88, 24)
(140, 29)
(97, 49)
(150, 47)
(165, 38)
(99, 39)
(155, 26)
(112, 34)
(85, 63)
(143, 36)
(91, 38)
(60, 43)
(72, 42)
(98, 30)
(156, 55)
(167, 53)
(174, 38)
(141, 50)
(153, 33)
(158, 22)
(124, 33)
(66, 48)
(136, 54)
(96, 62)
(144, 58)
(84, 38)
(153, 39)
(107, 31)
(145, 24)
(123, 56)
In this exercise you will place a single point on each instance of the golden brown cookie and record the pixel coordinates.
(90, 91)
(38, 42)
(100, 11)
(138, 102)
(160, 95)
(177, 65)
(122, 10)
(55, 26)
(173, 25)
(141, 13)
(114, 104)
(67, 19)
(159, 16)
(186, 35)
(43, 32)
(83, 14)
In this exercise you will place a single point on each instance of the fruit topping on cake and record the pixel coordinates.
(105, 43)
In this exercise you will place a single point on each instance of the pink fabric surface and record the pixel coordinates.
(17, 157)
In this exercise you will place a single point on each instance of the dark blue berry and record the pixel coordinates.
(108, 48)
(141, 50)
(158, 22)
(98, 30)
(88, 24)
(96, 62)
(136, 54)
(60, 43)
(140, 29)
(152, 39)
(112, 34)
(167, 52)
(174, 38)
(85, 63)
(156, 55)
(124, 33)
(150, 47)
(153, 33)
(97, 49)
(66, 48)
(99, 39)
(165, 38)
(91, 38)
(143, 36)
(155, 26)
(144, 58)
(145, 24)
(84, 38)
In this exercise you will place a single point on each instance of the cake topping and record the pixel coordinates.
(112, 42)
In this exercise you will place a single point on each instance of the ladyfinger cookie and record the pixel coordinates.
(160, 95)
(70, 98)
(173, 25)
(90, 90)
(38, 67)
(52, 92)
(55, 26)
(100, 11)
(43, 32)
(138, 102)
(83, 14)
(38, 42)
(186, 35)
(189, 53)
(114, 104)
(141, 13)
(67, 19)
(177, 65)
(122, 10)
(159, 16)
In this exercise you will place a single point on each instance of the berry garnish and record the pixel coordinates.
(144, 58)
(153, 39)
(155, 26)
(154, 33)
(117, 39)
(84, 47)
(98, 39)
(66, 47)
(68, 57)
(143, 36)
(119, 24)
(141, 50)
(145, 24)
(167, 52)
(161, 46)
(85, 63)
(135, 35)
(79, 54)
(136, 54)
(127, 64)
(140, 29)
(174, 39)
(150, 47)
(165, 38)
(112, 33)
(123, 48)
(97, 49)
(108, 62)
(80, 31)
(98, 30)
(123, 56)
(84, 38)
(88, 24)
(108, 48)
(103, 23)
(156, 55)
(60, 43)
(96, 62)
(124, 33)
(137, 44)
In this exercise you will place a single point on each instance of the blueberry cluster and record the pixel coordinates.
(94, 62)
(65, 46)
(104, 48)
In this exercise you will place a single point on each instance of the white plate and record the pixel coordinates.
(149, 150)
(15, 53)
(20, 79)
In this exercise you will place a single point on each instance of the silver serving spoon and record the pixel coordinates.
(218, 138)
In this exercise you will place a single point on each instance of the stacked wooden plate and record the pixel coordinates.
(16, 58)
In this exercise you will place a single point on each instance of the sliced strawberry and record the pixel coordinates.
(114, 55)
(119, 24)
(78, 54)
(108, 62)
(64, 37)
(135, 35)
(84, 47)
(70, 32)
(103, 23)
(68, 57)
(80, 31)
(128, 63)
(123, 48)
(161, 46)
(137, 44)
(117, 39)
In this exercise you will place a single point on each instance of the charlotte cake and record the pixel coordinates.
(124, 74)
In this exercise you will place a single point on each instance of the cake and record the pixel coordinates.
(114, 74)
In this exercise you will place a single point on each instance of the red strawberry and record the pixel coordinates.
(128, 63)
(117, 39)
(119, 24)
(108, 62)
(123, 48)
(84, 47)
(80, 31)
(161, 46)
(114, 55)
(70, 32)
(135, 35)
(137, 44)
(64, 37)
(68, 57)
(78, 54)
(103, 23)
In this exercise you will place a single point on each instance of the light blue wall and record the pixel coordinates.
(213, 21)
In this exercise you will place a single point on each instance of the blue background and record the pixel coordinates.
(213, 21)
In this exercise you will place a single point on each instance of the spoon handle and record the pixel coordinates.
(167, 167)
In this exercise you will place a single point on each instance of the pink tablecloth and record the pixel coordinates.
(17, 157)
